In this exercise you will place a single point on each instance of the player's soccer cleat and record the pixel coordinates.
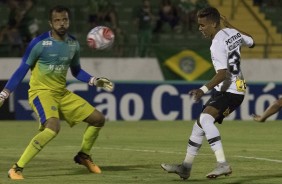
(178, 169)
(15, 173)
(221, 169)
(86, 160)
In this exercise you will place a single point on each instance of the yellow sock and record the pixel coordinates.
(90, 135)
(36, 145)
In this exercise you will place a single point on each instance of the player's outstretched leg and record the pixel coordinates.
(258, 118)
(220, 169)
(178, 169)
(15, 173)
(84, 159)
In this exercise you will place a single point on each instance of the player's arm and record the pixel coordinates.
(80, 74)
(217, 79)
(29, 58)
(15, 80)
(219, 58)
(83, 76)
(227, 24)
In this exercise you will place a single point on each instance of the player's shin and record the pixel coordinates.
(213, 136)
(194, 145)
(90, 135)
(36, 145)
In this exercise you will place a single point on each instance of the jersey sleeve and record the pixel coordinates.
(32, 52)
(17, 77)
(76, 58)
(76, 69)
(28, 60)
(248, 41)
(219, 55)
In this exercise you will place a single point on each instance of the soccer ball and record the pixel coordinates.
(100, 38)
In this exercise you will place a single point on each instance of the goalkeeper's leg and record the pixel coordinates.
(52, 128)
(95, 122)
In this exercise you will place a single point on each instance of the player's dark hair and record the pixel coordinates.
(59, 8)
(210, 13)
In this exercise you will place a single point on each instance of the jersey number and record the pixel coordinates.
(234, 63)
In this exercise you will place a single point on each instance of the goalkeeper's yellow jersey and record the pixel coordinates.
(49, 60)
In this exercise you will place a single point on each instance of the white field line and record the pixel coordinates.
(173, 152)
(165, 152)
(140, 150)
(258, 158)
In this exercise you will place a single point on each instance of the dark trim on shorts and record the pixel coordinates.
(39, 109)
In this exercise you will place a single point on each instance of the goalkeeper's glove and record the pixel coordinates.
(102, 82)
(3, 96)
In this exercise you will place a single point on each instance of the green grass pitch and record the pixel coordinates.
(131, 152)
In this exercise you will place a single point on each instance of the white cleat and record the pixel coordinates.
(178, 169)
(221, 169)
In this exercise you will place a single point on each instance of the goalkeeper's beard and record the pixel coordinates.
(61, 31)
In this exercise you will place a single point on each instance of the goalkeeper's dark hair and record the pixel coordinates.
(210, 13)
(59, 8)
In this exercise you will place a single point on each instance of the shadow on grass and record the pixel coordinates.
(83, 171)
(126, 167)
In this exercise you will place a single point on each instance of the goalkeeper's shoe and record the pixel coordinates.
(15, 173)
(178, 169)
(86, 160)
(220, 169)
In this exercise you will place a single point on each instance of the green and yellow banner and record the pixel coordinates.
(185, 64)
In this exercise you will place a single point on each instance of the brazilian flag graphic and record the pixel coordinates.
(185, 64)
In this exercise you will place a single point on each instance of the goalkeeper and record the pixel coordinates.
(49, 56)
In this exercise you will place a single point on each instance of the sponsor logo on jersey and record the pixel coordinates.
(233, 38)
(58, 68)
(47, 43)
(53, 55)
(72, 43)
(63, 58)
(235, 44)
(234, 41)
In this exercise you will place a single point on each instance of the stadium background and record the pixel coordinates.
(175, 62)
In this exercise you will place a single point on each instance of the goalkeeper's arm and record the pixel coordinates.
(15, 80)
(83, 76)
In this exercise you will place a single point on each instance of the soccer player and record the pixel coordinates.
(228, 87)
(272, 109)
(49, 56)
